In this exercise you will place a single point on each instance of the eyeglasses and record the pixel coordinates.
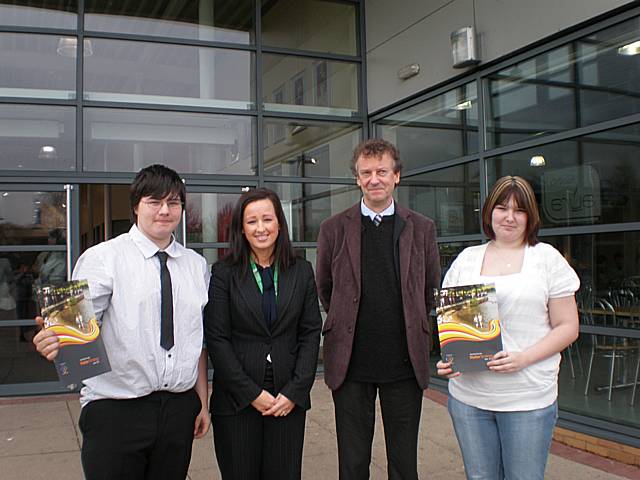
(157, 204)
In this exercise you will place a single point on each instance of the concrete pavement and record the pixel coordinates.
(39, 439)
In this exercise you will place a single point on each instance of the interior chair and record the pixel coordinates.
(615, 349)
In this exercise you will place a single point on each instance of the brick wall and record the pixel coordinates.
(604, 448)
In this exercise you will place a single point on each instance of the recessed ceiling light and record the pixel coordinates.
(630, 48)
(537, 161)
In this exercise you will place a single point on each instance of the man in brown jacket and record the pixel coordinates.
(377, 266)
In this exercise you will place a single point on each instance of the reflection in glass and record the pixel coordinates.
(20, 361)
(450, 197)
(209, 216)
(128, 140)
(41, 13)
(591, 80)
(31, 67)
(310, 25)
(37, 137)
(584, 181)
(608, 265)
(32, 218)
(140, 72)
(104, 213)
(211, 255)
(20, 272)
(309, 149)
(306, 205)
(438, 129)
(212, 20)
(306, 85)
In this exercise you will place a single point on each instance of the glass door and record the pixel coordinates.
(35, 247)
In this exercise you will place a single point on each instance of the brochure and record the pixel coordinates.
(67, 310)
(468, 325)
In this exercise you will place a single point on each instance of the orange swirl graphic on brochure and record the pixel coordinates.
(454, 332)
(68, 335)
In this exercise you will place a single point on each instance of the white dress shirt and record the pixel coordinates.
(367, 212)
(124, 284)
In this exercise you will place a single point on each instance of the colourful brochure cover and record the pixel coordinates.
(468, 325)
(67, 310)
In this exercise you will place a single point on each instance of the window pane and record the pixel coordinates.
(306, 205)
(310, 25)
(19, 273)
(305, 85)
(209, 216)
(42, 13)
(41, 66)
(588, 81)
(123, 71)
(32, 218)
(450, 197)
(212, 20)
(309, 149)
(589, 180)
(128, 140)
(20, 362)
(438, 129)
(211, 255)
(37, 137)
(608, 265)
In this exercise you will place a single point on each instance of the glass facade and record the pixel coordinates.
(565, 119)
(226, 92)
(235, 94)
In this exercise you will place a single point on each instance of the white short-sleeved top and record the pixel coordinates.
(523, 308)
(124, 284)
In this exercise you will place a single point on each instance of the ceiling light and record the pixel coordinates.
(466, 105)
(630, 48)
(537, 161)
(5, 194)
(68, 46)
(47, 152)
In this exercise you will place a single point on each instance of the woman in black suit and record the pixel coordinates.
(262, 327)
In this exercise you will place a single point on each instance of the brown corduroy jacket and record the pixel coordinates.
(338, 277)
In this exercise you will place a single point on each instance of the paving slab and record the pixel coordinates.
(39, 439)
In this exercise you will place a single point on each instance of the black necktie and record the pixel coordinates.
(377, 220)
(166, 304)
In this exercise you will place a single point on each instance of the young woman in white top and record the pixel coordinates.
(504, 416)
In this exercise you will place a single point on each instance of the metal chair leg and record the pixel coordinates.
(586, 386)
(635, 381)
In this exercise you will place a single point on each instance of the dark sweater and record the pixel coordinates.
(380, 352)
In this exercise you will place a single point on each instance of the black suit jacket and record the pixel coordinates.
(239, 341)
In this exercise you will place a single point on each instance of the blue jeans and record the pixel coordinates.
(503, 445)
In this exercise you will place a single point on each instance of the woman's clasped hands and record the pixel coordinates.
(267, 404)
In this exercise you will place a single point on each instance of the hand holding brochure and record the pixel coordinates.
(67, 310)
(468, 326)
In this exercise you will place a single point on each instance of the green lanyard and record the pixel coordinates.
(256, 275)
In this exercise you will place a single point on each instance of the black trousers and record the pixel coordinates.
(139, 439)
(252, 447)
(401, 405)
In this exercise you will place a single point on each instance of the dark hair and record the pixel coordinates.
(155, 181)
(376, 147)
(239, 249)
(522, 193)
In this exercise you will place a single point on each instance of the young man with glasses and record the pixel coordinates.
(138, 421)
